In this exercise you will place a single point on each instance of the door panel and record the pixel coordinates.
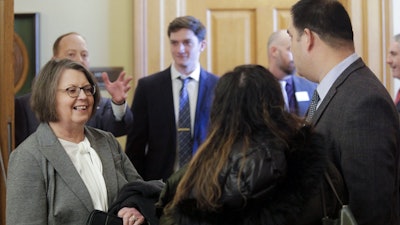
(238, 31)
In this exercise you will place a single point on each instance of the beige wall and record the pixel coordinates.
(106, 24)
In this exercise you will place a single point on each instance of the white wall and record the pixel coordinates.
(106, 24)
(396, 30)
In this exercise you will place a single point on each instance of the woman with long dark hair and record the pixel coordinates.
(258, 165)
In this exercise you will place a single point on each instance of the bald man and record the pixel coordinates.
(296, 90)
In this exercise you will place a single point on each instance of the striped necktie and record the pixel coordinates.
(313, 106)
(185, 142)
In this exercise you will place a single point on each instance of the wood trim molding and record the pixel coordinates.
(140, 39)
(388, 34)
(7, 93)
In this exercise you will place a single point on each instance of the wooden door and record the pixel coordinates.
(238, 31)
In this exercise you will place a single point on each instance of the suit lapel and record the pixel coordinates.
(201, 103)
(167, 100)
(203, 93)
(109, 173)
(51, 148)
(332, 91)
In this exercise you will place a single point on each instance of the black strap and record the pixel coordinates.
(323, 199)
(328, 178)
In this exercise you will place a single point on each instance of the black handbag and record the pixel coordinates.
(98, 217)
(345, 216)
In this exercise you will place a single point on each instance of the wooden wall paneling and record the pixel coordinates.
(7, 93)
(234, 19)
(388, 34)
(239, 22)
(371, 26)
(369, 19)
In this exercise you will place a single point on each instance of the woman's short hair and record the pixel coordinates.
(43, 100)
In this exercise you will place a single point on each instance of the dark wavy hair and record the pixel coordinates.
(188, 22)
(44, 92)
(248, 103)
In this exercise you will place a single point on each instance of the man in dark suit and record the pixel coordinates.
(112, 114)
(393, 59)
(296, 90)
(152, 141)
(355, 112)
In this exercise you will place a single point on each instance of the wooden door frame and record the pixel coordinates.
(7, 93)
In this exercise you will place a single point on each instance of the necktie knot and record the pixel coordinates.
(185, 82)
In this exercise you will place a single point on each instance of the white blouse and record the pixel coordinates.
(90, 168)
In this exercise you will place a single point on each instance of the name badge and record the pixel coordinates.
(302, 96)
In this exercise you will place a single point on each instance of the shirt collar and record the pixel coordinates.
(333, 74)
(195, 75)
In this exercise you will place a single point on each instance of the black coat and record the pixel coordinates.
(275, 188)
(141, 195)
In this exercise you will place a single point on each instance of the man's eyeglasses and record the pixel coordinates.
(74, 91)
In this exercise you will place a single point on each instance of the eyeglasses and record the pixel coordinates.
(74, 91)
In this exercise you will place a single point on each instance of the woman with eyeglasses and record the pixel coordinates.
(64, 170)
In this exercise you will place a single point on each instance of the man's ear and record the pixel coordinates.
(203, 45)
(309, 36)
(273, 50)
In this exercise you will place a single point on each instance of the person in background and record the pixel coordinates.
(111, 115)
(165, 134)
(351, 108)
(258, 165)
(66, 169)
(393, 59)
(296, 90)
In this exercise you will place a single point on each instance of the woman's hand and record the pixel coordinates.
(131, 216)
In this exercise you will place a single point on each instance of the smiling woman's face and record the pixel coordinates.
(73, 111)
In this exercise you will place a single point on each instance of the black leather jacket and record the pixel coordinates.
(274, 186)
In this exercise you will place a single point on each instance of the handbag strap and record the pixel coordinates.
(323, 200)
(328, 178)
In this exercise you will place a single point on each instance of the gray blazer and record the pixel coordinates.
(43, 186)
(361, 123)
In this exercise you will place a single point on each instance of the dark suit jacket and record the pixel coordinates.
(151, 143)
(362, 126)
(26, 122)
(307, 87)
